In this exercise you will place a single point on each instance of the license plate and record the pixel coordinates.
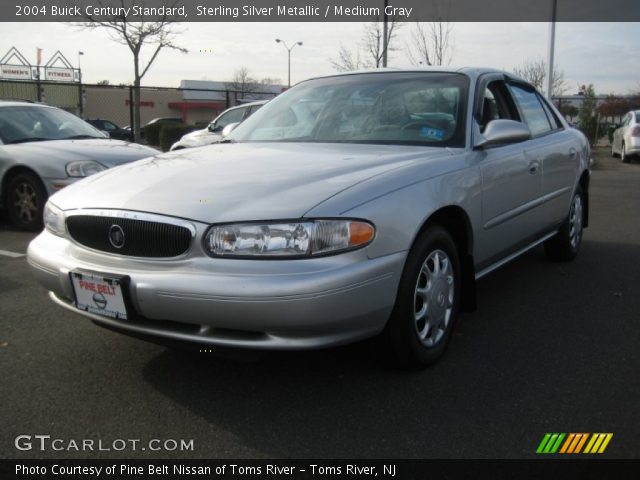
(99, 295)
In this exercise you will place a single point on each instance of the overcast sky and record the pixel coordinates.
(605, 54)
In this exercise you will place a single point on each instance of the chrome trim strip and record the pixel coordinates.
(505, 260)
(503, 217)
(130, 215)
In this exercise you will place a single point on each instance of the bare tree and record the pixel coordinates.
(246, 86)
(535, 72)
(138, 35)
(347, 60)
(431, 43)
(370, 51)
(373, 41)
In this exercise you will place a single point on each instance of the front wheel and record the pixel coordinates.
(428, 301)
(25, 201)
(565, 245)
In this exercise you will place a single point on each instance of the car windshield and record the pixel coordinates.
(35, 123)
(414, 108)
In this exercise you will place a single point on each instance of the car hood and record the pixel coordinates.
(200, 137)
(105, 151)
(237, 182)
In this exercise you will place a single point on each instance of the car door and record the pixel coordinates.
(552, 149)
(511, 182)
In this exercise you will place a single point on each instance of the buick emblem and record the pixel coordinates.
(99, 300)
(116, 236)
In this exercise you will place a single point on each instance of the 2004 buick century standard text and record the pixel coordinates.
(349, 206)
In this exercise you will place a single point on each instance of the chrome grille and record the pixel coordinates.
(142, 238)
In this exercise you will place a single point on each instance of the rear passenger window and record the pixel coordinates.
(533, 112)
(553, 119)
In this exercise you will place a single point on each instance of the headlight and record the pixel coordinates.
(83, 168)
(287, 239)
(54, 219)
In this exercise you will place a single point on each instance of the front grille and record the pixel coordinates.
(142, 238)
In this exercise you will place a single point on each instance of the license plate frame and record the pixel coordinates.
(101, 294)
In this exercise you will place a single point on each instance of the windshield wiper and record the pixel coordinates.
(78, 137)
(28, 139)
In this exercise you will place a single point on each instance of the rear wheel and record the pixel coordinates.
(565, 245)
(623, 154)
(613, 152)
(428, 301)
(25, 201)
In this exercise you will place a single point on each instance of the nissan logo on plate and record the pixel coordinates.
(116, 236)
(100, 301)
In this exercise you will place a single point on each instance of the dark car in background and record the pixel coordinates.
(112, 129)
(43, 149)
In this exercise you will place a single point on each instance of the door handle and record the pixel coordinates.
(533, 167)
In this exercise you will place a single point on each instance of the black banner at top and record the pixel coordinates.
(321, 10)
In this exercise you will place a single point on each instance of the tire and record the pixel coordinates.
(427, 303)
(565, 245)
(623, 155)
(613, 152)
(25, 201)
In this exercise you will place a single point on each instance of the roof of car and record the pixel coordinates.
(250, 104)
(20, 103)
(472, 72)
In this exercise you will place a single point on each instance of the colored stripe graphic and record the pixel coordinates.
(598, 443)
(573, 443)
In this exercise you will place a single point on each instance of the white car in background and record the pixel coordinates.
(213, 132)
(626, 139)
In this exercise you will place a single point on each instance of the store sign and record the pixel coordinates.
(15, 72)
(59, 74)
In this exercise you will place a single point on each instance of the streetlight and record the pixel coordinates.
(289, 52)
(79, 68)
(81, 93)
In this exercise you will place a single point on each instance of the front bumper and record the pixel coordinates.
(272, 304)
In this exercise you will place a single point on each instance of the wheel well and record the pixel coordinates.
(8, 176)
(455, 220)
(584, 184)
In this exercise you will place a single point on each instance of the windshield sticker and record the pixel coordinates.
(432, 133)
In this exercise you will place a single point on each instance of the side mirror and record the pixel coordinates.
(212, 127)
(229, 128)
(500, 132)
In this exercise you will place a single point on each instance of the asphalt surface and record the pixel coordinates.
(552, 348)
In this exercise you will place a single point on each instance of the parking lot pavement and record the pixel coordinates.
(552, 348)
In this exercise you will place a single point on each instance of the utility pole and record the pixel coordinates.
(385, 29)
(552, 44)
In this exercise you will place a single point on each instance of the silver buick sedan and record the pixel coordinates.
(349, 206)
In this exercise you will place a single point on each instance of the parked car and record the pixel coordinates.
(112, 129)
(626, 138)
(372, 210)
(43, 149)
(213, 132)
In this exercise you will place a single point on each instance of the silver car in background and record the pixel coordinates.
(44, 149)
(626, 139)
(213, 132)
(349, 206)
